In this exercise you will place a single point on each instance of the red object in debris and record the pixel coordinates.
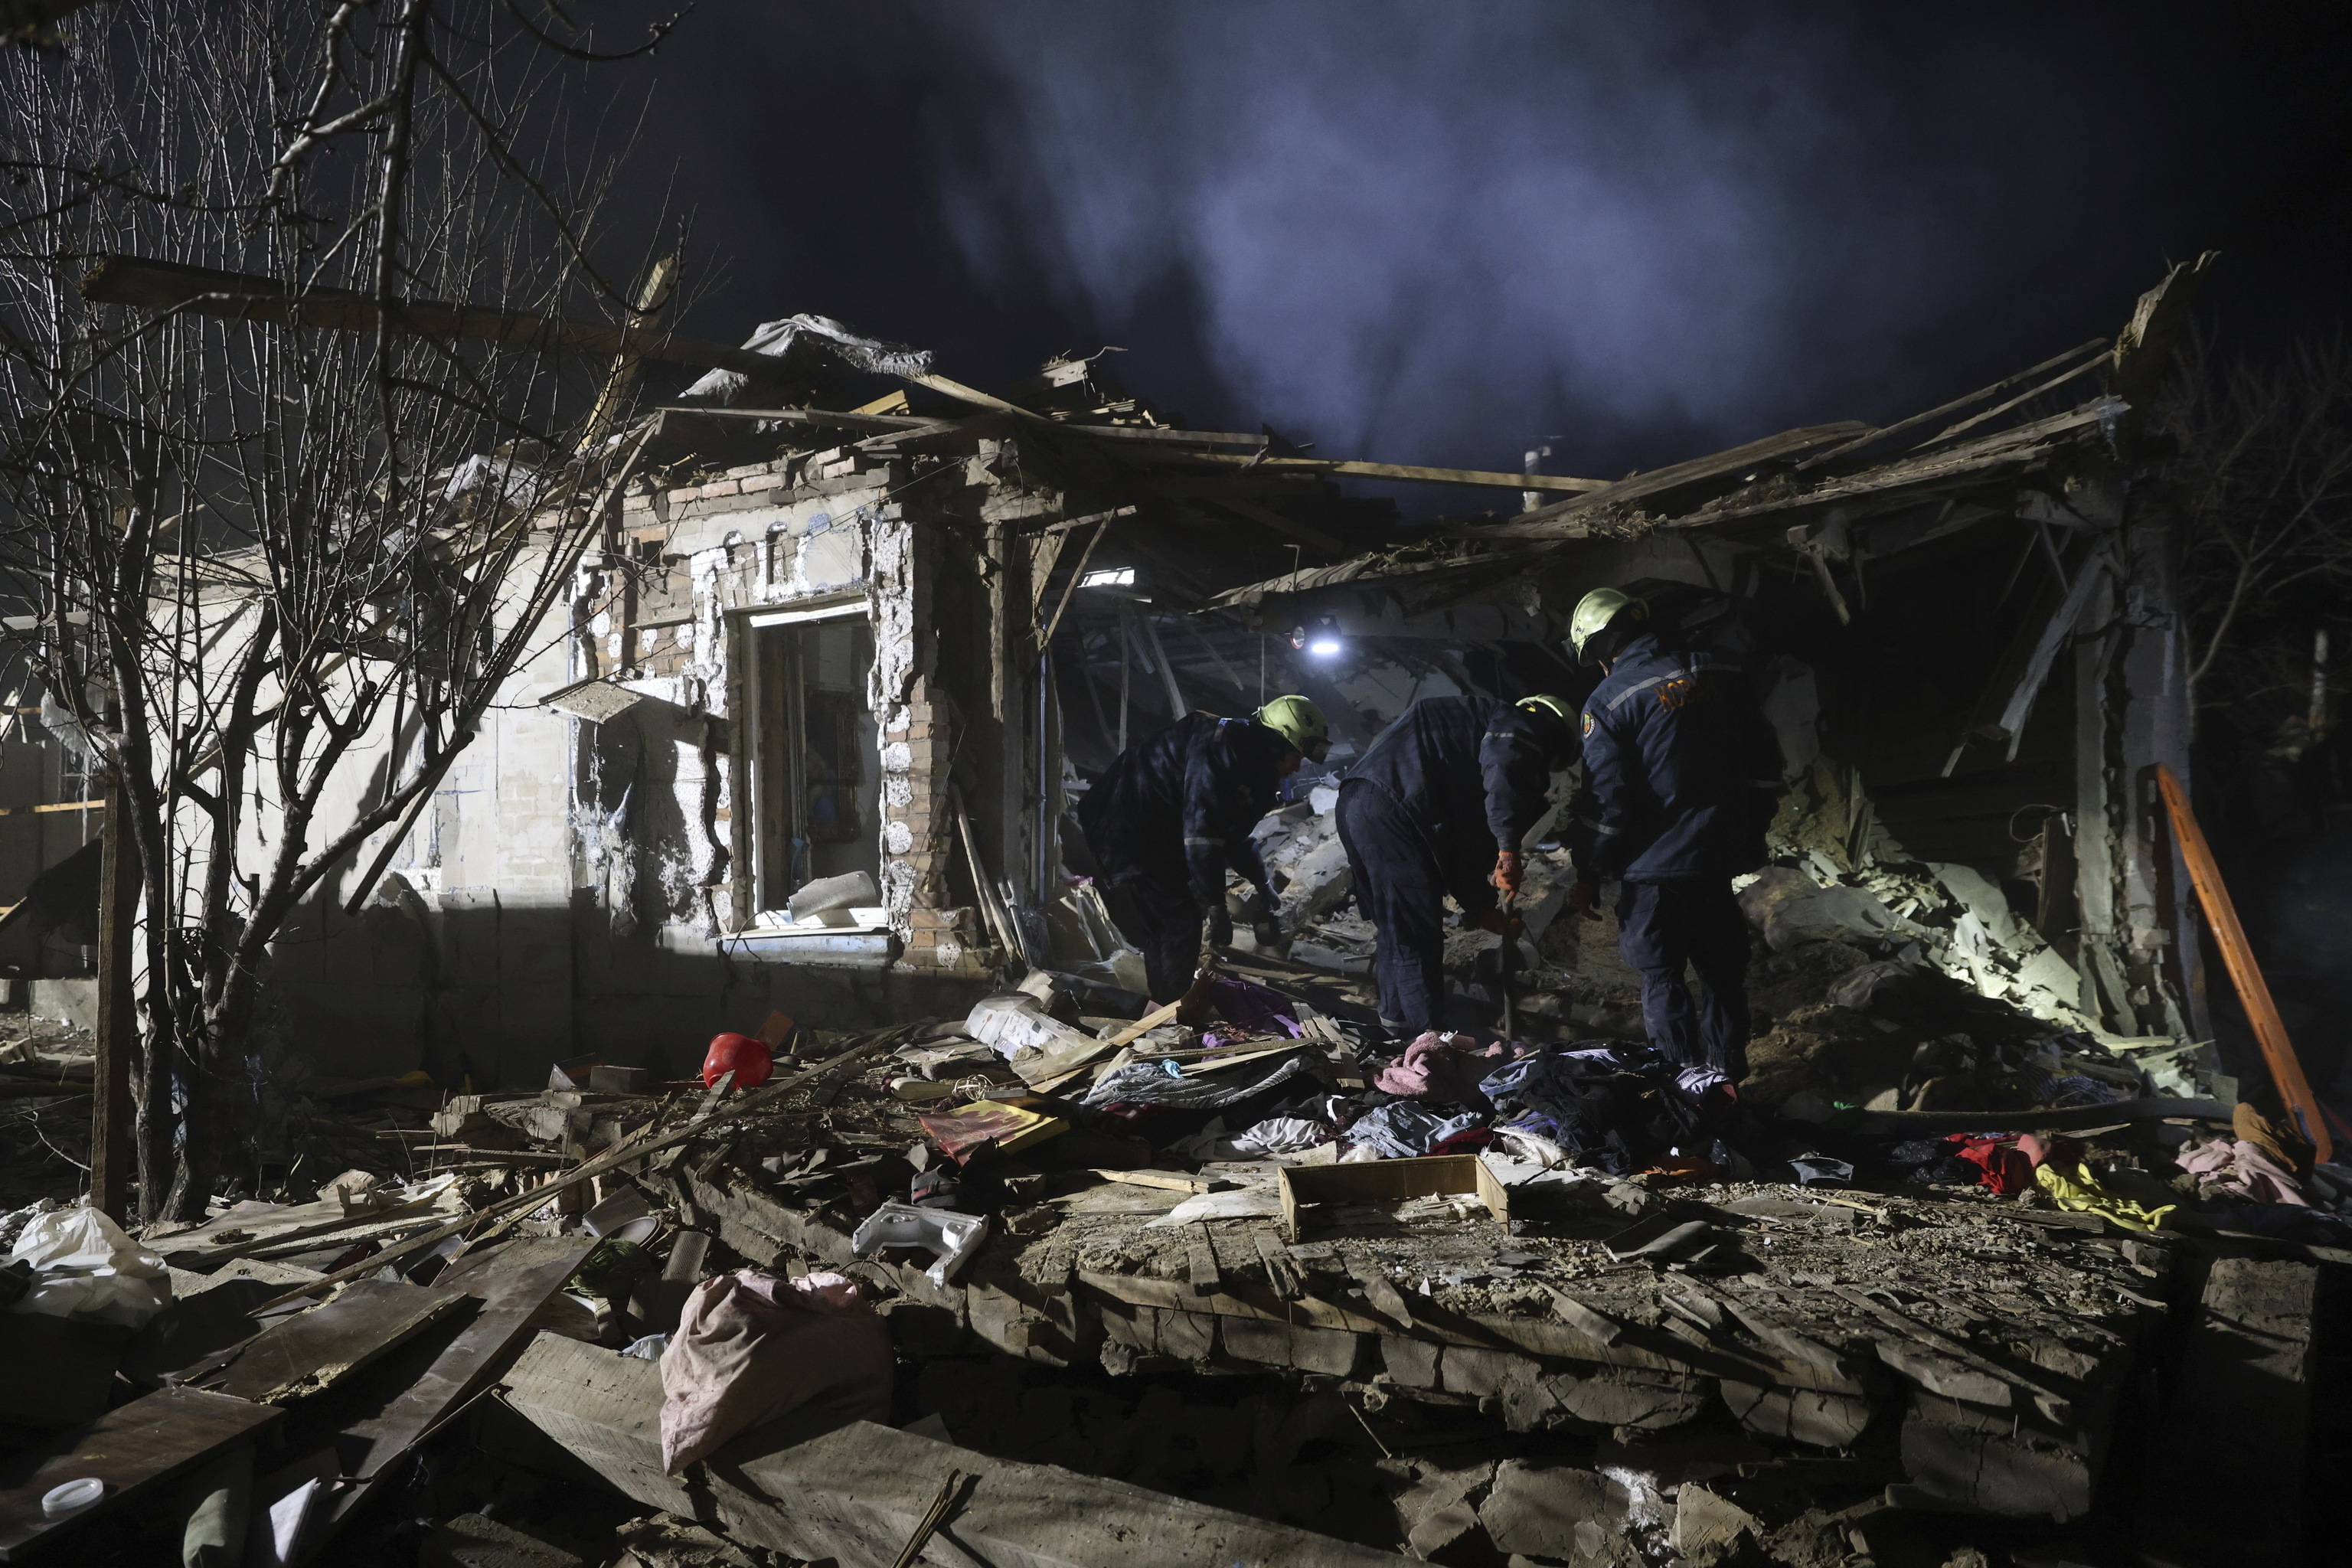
(748, 1058)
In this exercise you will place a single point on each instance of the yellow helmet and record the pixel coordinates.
(1300, 723)
(1544, 703)
(1595, 612)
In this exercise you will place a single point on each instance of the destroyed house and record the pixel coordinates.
(804, 670)
(1044, 1275)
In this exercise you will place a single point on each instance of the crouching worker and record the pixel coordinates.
(1439, 804)
(1174, 812)
(1681, 775)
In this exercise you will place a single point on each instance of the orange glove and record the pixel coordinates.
(1509, 872)
(1585, 899)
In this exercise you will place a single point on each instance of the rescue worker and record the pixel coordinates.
(1444, 793)
(1681, 775)
(1168, 818)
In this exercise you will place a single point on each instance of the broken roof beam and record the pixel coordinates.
(1409, 473)
(1872, 437)
(1734, 464)
(236, 296)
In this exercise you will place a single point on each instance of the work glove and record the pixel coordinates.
(1509, 872)
(1585, 899)
(1267, 931)
(1502, 925)
(1221, 925)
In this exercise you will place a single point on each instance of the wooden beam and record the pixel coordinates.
(133, 1450)
(1872, 437)
(1410, 473)
(243, 297)
(2246, 972)
(111, 1147)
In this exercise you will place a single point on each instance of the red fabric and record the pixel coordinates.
(749, 1059)
(2007, 1168)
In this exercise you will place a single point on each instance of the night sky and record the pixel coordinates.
(1434, 233)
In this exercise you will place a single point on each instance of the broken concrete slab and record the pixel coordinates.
(855, 1492)
(1556, 1511)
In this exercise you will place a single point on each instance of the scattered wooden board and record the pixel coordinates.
(511, 1282)
(317, 1348)
(132, 1449)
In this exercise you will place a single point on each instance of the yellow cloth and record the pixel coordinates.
(2079, 1191)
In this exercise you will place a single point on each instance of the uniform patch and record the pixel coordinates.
(1678, 692)
(1588, 723)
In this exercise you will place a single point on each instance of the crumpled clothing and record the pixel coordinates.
(2072, 1186)
(1445, 1069)
(2287, 1147)
(2007, 1168)
(85, 1267)
(2235, 1168)
(1618, 1107)
(1404, 1130)
(1149, 1083)
(751, 1346)
(1274, 1135)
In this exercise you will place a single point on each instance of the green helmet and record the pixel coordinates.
(1594, 613)
(1300, 723)
(1545, 703)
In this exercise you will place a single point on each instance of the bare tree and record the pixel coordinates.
(2264, 475)
(246, 551)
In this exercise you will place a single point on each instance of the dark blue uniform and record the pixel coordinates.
(1165, 821)
(1681, 774)
(1440, 791)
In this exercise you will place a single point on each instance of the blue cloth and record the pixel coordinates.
(1665, 926)
(1681, 768)
(1402, 1130)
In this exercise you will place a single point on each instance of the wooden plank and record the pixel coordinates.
(1411, 473)
(636, 1147)
(243, 297)
(1872, 438)
(230, 1237)
(1553, 522)
(2246, 972)
(511, 1283)
(1077, 1063)
(317, 1348)
(132, 1449)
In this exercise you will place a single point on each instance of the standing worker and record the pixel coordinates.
(1175, 810)
(1450, 789)
(1681, 775)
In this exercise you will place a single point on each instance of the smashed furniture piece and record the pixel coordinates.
(132, 1450)
(857, 1491)
(952, 1238)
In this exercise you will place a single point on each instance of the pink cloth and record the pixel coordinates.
(1443, 1067)
(2241, 1170)
(751, 1346)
